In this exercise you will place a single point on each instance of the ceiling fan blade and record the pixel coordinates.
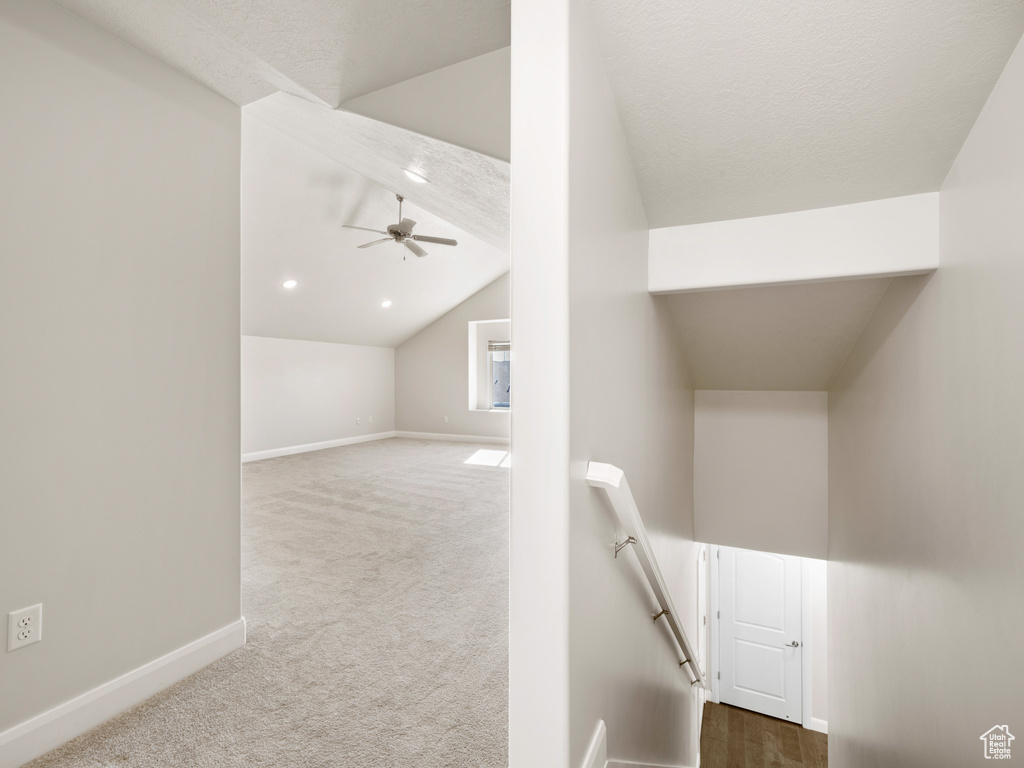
(415, 248)
(375, 242)
(365, 229)
(438, 240)
(405, 226)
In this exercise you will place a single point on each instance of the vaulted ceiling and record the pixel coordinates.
(740, 110)
(294, 203)
(745, 109)
(329, 51)
(309, 167)
(730, 109)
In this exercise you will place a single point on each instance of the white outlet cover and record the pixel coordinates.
(24, 627)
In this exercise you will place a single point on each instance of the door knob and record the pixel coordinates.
(794, 644)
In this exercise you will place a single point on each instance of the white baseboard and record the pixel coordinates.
(273, 453)
(38, 735)
(597, 752)
(821, 726)
(453, 438)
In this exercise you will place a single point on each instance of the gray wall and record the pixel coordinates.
(300, 392)
(597, 376)
(926, 488)
(432, 371)
(630, 405)
(119, 335)
(760, 473)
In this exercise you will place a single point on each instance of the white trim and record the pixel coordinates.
(815, 724)
(597, 752)
(715, 610)
(292, 449)
(452, 438)
(896, 236)
(38, 735)
(805, 639)
(704, 630)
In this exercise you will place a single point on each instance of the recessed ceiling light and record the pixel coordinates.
(386, 304)
(290, 283)
(415, 177)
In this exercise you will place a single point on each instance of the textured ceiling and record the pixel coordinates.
(467, 189)
(290, 64)
(294, 201)
(793, 337)
(326, 50)
(745, 109)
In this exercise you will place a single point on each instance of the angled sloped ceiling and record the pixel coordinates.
(745, 109)
(294, 202)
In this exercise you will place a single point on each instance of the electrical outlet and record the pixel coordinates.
(445, 419)
(24, 627)
(358, 420)
(371, 419)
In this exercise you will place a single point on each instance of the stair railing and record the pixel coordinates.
(612, 481)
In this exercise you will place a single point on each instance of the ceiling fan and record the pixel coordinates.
(401, 233)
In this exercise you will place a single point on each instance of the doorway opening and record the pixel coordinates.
(767, 647)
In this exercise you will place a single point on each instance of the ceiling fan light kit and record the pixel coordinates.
(401, 233)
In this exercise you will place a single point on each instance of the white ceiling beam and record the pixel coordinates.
(881, 238)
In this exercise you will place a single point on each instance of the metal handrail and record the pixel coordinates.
(613, 481)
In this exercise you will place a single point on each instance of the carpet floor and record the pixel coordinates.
(375, 587)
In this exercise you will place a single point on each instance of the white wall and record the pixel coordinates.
(761, 470)
(295, 393)
(119, 335)
(631, 406)
(539, 511)
(926, 492)
(583, 647)
(432, 371)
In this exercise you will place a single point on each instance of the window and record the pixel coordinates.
(490, 364)
(499, 363)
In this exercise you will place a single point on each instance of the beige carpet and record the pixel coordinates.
(375, 586)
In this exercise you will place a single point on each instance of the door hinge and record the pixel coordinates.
(718, 614)
(719, 675)
(718, 554)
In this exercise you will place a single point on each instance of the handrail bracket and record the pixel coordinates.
(613, 482)
(621, 545)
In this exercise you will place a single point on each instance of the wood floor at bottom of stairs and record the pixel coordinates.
(737, 738)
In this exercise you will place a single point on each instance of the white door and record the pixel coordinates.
(759, 596)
